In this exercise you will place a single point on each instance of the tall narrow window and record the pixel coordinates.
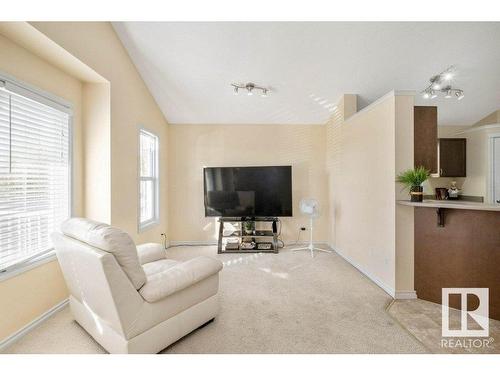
(148, 179)
(34, 173)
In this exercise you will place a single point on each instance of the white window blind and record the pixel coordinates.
(34, 176)
(148, 179)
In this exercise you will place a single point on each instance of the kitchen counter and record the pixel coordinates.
(456, 245)
(458, 204)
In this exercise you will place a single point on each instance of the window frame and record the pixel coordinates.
(142, 226)
(19, 87)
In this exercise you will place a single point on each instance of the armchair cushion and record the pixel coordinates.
(150, 252)
(110, 239)
(158, 266)
(162, 284)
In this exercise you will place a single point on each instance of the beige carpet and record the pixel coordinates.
(285, 303)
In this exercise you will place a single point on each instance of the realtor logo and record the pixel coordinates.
(478, 317)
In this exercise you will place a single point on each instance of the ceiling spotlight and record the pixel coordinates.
(436, 82)
(436, 86)
(250, 87)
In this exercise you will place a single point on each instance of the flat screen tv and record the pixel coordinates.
(248, 191)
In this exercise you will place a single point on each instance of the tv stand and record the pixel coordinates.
(239, 236)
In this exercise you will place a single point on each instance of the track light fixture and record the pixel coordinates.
(250, 87)
(439, 83)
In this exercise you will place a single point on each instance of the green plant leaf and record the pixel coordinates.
(413, 177)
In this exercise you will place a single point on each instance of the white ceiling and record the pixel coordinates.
(188, 67)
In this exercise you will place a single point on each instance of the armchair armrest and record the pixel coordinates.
(162, 284)
(150, 252)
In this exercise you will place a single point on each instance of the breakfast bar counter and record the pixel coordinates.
(456, 245)
(455, 204)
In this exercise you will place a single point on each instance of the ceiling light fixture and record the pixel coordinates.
(436, 86)
(250, 87)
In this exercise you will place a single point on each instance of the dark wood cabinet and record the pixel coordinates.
(452, 157)
(425, 139)
(445, 157)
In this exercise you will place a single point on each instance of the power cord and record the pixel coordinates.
(164, 237)
(298, 238)
(280, 239)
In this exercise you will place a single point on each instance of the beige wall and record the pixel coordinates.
(363, 192)
(363, 153)
(404, 159)
(478, 162)
(97, 151)
(492, 118)
(345, 108)
(25, 297)
(132, 106)
(191, 147)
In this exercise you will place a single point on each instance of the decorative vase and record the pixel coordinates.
(417, 194)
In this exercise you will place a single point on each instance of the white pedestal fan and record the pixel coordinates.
(310, 207)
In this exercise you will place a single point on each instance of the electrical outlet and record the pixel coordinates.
(302, 228)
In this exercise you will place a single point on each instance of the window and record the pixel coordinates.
(34, 172)
(148, 179)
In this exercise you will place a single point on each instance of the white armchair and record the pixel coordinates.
(132, 299)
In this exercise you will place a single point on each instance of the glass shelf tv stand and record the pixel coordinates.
(263, 235)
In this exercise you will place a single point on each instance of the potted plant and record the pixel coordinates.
(249, 227)
(413, 179)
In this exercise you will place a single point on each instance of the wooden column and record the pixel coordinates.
(425, 137)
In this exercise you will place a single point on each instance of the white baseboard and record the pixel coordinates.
(305, 243)
(32, 325)
(405, 294)
(191, 243)
(376, 280)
